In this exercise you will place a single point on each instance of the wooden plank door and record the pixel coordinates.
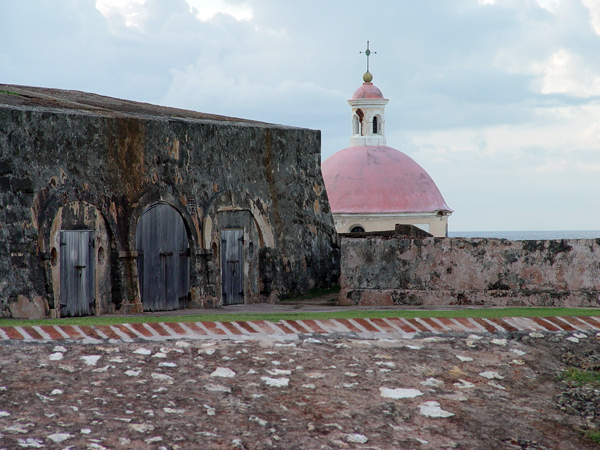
(232, 266)
(77, 292)
(163, 259)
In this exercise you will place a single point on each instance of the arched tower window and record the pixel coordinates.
(357, 229)
(377, 125)
(355, 126)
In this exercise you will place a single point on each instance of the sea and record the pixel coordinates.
(529, 235)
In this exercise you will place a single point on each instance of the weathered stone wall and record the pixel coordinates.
(494, 272)
(53, 160)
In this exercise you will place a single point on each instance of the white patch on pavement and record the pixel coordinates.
(223, 372)
(491, 375)
(60, 437)
(356, 438)
(142, 351)
(142, 427)
(433, 409)
(464, 384)
(162, 377)
(432, 382)
(167, 364)
(216, 388)
(399, 393)
(496, 385)
(31, 443)
(276, 382)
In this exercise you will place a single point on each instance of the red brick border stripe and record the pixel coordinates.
(52, 332)
(231, 328)
(265, 327)
(32, 332)
(212, 328)
(393, 325)
(591, 320)
(348, 325)
(246, 326)
(195, 328)
(140, 328)
(12, 333)
(313, 326)
(576, 322)
(175, 327)
(366, 325)
(290, 326)
(108, 331)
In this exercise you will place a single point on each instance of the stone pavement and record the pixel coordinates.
(426, 383)
(291, 329)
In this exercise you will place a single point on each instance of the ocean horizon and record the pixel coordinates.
(529, 235)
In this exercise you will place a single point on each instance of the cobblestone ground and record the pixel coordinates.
(453, 390)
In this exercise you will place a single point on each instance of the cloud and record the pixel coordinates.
(495, 98)
(206, 9)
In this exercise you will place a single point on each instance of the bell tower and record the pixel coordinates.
(368, 112)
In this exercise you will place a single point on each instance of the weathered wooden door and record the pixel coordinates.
(163, 259)
(77, 291)
(232, 266)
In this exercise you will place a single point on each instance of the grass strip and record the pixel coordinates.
(275, 317)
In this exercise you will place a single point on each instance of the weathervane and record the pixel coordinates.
(368, 76)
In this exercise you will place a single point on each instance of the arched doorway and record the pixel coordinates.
(163, 259)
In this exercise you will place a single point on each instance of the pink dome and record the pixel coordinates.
(370, 179)
(367, 90)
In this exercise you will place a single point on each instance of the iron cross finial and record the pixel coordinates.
(368, 53)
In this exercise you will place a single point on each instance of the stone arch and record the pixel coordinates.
(192, 226)
(236, 201)
(47, 215)
(234, 218)
(162, 246)
(73, 222)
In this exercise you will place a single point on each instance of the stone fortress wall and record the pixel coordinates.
(392, 270)
(72, 161)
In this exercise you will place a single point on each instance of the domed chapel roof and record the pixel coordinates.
(379, 179)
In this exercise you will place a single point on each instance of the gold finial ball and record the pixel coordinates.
(367, 77)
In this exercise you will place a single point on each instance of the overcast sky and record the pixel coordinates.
(499, 100)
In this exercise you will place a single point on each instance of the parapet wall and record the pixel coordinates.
(457, 271)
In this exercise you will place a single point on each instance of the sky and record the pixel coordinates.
(498, 100)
